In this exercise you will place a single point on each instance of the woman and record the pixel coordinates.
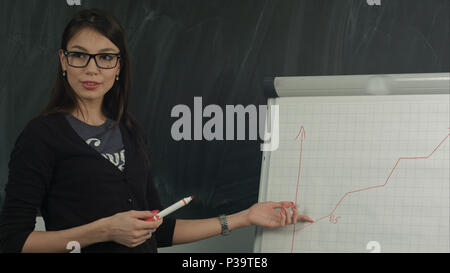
(98, 195)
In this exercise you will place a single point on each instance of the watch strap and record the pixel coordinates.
(224, 224)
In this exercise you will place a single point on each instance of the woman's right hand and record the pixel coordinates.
(130, 229)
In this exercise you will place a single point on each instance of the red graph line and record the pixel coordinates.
(331, 215)
(303, 135)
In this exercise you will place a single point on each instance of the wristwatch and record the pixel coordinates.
(224, 224)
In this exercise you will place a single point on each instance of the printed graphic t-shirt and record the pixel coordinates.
(103, 138)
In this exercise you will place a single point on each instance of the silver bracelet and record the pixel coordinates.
(224, 224)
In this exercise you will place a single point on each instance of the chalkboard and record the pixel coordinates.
(221, 51)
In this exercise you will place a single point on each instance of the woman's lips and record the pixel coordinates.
(90, 85)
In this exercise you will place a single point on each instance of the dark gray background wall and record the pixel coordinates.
(220, 50)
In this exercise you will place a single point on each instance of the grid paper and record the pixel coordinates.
(366, 168)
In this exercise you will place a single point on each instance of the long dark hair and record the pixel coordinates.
(115, 102)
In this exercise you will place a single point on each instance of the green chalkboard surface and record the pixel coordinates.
(220, 51)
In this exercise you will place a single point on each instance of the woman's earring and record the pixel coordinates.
(117, 77)
(64, 73)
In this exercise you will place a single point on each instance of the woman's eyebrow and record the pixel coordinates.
(101, 50)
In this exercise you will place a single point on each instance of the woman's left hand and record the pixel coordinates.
(265, 214)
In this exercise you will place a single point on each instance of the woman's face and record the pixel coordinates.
(90, 41)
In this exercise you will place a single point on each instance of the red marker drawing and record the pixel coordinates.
(183, 202)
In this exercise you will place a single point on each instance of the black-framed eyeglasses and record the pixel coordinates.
(81, 59)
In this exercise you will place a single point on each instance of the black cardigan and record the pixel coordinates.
(51, 168)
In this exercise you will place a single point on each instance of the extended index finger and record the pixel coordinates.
(301, 217)
(305, 218)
